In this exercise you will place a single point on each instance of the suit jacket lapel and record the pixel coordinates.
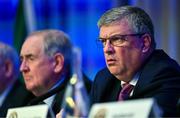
(148, 74)
(113, 86)
(57, 102)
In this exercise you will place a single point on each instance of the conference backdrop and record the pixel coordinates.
(78, 18)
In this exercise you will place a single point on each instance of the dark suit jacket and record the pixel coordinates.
(159, 78)
(59, 94)
(17, 97)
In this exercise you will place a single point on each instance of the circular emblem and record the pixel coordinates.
(13, 115)
(101, 113)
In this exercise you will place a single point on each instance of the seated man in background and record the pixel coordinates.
(12, 91)
(133, 63)
(46, 66)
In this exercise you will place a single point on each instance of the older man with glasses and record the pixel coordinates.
(135, 68)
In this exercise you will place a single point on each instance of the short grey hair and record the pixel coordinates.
(9, 53)
(137, 18)
(56, 41)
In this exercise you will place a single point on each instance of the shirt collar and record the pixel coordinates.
(134, 80)
(49, 100)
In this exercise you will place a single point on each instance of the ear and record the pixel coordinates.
(146, 43)
(58, 62)
(8, 68)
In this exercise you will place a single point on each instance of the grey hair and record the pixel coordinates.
(9, 53)
(137, 18)
(56, 41)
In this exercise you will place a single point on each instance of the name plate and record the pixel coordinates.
(140, 108)
(36, 111)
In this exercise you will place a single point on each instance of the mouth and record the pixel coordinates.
(110, 61)
(27, 78)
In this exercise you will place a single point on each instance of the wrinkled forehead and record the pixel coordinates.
(33, 44)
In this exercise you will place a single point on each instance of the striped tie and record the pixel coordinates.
(125, 91)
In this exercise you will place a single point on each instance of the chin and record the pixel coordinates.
(29, 88)
(114, 72)
(113, 69)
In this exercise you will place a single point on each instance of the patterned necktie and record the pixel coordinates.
(125, 91)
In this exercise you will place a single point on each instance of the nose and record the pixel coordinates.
(108, 48)
(23, 66)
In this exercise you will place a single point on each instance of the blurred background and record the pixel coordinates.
(78, 18)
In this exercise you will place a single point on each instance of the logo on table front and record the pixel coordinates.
(13, 115)
(101, 113)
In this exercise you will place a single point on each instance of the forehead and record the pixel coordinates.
(32, 45)
(122, 27)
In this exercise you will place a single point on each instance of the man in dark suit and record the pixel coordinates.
(12, 91)
(127, 37)
(46, 66)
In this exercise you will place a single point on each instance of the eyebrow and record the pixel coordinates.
(26, 56)
(112, 36)
(124, 35)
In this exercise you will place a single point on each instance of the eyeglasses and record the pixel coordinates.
(116, 40)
